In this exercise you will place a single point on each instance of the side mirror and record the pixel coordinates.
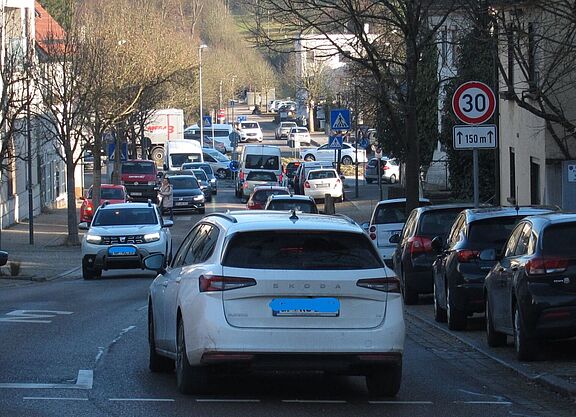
(365, 226)
(437, 244)
(395, 238)
(155, 263)
(489, 255)
(3, 257)
(84, 226)
(168, 223)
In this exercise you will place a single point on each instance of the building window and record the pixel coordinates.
(534, 181)
(512, 175)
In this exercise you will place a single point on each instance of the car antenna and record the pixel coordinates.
(294, 217)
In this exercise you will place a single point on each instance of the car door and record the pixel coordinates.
(405, 234)
(439, 266)
(325, 153)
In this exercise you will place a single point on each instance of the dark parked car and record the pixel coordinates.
(187, 193)
(531, 291)
(290, 171)
(413, 257)
(209, 173)
(204, 183)
(459, 271)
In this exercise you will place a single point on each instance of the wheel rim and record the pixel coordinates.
(448, 309)
(487, 307)
(179, 350)
(393, 179)
(516, 330)
(436, 309)
(309, 158)
(347, 160)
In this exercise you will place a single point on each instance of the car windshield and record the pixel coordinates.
(437, 223)
(125, 217)
(260, 176)
(301, 130)
(250, 125)
(284, 205)
(493, 232)
(558, 240)
(200, 174)
(138, 168)
(321, 175)
(288, 124)
(262, 162)
(182, 182)
(260, 196)
(301, 250)
(109, 194)
(181, 158)
(390, 213)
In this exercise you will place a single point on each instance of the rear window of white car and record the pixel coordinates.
(301, 250)
(390, 213)
(262, 162)
(321, 175)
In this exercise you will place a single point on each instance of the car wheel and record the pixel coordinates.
(393, 179)
(156, 363)
(493, 337)
(439, 312)
(369, 180)
(221, 173)
(410, 296)
(309, 157)
(346, 160)
(202, 210)
(88, 272)
(189, 379)
(385, 382)
(525, 347)
(456, 318)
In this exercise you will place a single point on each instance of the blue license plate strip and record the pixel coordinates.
(305, 307)
(122, 251)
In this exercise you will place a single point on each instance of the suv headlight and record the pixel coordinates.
(198, 198)
(152, 237)
(93, 239)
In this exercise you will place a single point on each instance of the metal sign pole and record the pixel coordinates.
(380, 176)
(476, 177)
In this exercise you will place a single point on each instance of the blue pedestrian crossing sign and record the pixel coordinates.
(364, 143)
(207, 121)
(340, 119)
(335, 142)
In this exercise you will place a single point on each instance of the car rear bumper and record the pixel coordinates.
(142, 192)
(419, 279)
(321, 193)
(469, 297)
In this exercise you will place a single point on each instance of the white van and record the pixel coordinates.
(181, 151)
(259, 157)
(221, 134)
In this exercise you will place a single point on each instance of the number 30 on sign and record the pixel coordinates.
(474, 102)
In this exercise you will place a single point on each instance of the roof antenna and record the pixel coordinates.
(294, 217)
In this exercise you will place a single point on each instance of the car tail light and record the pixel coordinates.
(306, 184)
(372, 232)
(466, 255)
(385, 167)
(542, 266)
(219, 283)
(280, 178)
(241, 175)
(391, 284)
(419, 244)
(89, 208)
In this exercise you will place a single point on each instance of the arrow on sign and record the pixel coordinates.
(459, 137)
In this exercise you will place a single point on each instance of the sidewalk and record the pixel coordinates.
(47, 259)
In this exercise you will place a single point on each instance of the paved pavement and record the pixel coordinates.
(48, 259)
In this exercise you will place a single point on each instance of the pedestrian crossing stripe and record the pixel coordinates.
(340, 122)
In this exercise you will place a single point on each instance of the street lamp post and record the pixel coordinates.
(200, 82)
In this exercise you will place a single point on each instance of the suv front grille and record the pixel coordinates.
(120, 240)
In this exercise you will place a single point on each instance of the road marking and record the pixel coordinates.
(226, 400)
(83, 381)
(316, 401)
(32, 316)
(484, 402)
(402, 402)
(166, 400)
(56, 398)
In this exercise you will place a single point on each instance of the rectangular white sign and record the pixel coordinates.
(571, 173)
(475, 137)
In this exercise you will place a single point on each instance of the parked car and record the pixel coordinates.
(299, 135)
(122, 235)
(389, 168)
(289, 172)
(112, 193)
(254, 290)
(325, 153)
(531, 291)
(250, 131)
(302, 173)
(320, 182)
(300, 203)
(283, 130)
(459, 271)
(387, 220)
(207, 170)
(260, 195)
(187, 194)
(257, 178)
(413, 256)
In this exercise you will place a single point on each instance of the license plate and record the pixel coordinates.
(181, 203)
(137, 194)
(323, 185)
(305, 307)
(122, 251)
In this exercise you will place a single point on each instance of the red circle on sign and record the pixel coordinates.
(469, 91)
(221, 113)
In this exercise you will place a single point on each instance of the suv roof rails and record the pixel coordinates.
(105, 203)
(149, 203)
(223, 216)
(345, 217)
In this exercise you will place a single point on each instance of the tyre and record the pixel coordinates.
(385, 382)
(410, 296)
(456, 318)
(156, 363)
(221, 173)
(493, 337)
(346, 160)
(158, 154)
(202, 210)
(393, 179)
(309, 157)
(439, 312)
(369, 180)
(525, 347)
(189, 379)
(89, 272)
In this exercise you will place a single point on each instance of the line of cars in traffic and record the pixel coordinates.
(515, 265)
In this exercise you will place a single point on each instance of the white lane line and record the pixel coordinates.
(165, 400)
(226, 400)
(316, 401)
(402, 402)
(83, 381)
(55, 398)
(484, 402)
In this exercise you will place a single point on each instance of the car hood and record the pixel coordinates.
(250, 130)
(187, 192)
(123, 230)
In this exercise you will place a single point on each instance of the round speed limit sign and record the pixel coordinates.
(474, 102)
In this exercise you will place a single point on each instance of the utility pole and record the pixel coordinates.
(357, 131)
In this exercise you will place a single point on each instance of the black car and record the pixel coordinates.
(204, 183)
(209, 173)
(290, 171)
(459, 271)
(413, 257)
(187, 193)
(531, 292)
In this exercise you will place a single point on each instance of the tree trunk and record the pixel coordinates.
(97, 172)
(72, 238)
(311, 118)
(411, 131)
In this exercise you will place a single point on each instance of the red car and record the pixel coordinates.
(261, 193)
(108, 192)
